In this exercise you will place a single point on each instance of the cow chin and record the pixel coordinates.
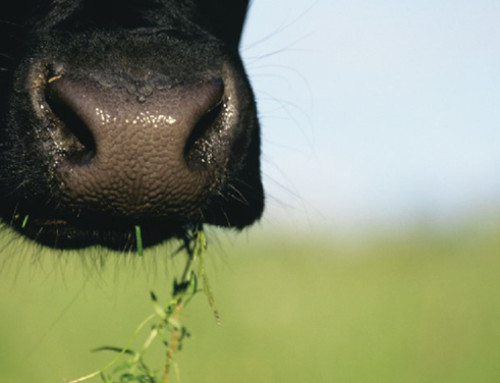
(140, 117)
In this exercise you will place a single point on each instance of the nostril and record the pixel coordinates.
(199, 147)
(78, 142)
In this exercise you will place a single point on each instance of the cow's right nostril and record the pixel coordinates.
(198, 151)
(77, 141)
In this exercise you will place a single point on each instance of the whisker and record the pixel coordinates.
(226, 216)
(11, 24)
(5, 55)
(238, 196)
(283, 27)
(14, 213)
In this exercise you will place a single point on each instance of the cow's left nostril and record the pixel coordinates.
(77, 140)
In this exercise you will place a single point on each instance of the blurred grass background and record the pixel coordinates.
(417, 306)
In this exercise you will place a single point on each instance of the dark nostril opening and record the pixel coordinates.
(198, 151)
(78, 141)
(199, 148)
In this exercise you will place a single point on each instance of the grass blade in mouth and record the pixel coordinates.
(138, 240)
(25, 221)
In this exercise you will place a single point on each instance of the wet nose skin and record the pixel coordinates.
(137, 155)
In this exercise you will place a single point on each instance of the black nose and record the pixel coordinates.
(134, 154)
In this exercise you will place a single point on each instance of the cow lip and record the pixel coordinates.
(97, 223)
(64, 233)
(51, 222)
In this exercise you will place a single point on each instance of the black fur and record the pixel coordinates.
(177, 43)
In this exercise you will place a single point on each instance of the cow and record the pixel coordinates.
(118, 114)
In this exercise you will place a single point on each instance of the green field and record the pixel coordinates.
(415, 307)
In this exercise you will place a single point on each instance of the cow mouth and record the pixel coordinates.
(114, 233)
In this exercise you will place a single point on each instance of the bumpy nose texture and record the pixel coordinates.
(135, 148)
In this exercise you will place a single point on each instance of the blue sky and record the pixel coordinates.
(373, 113)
